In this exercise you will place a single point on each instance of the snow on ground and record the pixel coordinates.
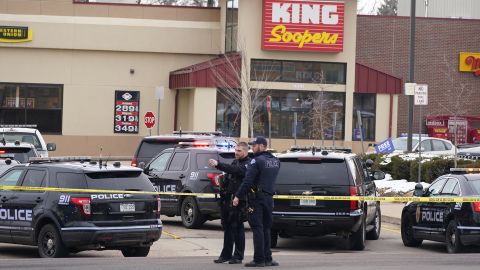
(398, 187)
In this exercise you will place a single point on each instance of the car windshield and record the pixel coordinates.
(21, 137)
(149, 149)
(316, 171)
(401, 143)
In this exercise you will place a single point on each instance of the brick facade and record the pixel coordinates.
(383, 44)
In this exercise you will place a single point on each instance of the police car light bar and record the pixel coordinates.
(195, 144)
(465, 170)
(18, 126)
(59, 159)
(207, 133)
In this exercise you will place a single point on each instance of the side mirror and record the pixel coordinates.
(418, 190)
(141, 165)
(369, 163)
(378, 175)
(51, 147)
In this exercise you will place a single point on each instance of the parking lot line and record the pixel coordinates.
(174, 236)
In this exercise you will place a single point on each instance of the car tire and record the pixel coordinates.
(135, 251)
(357, 239)
(274, 239)
(374, 234)
(406, 229)
(452, 238)
(190, 214)
(50, 244)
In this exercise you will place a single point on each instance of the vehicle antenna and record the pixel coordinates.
(100, 159)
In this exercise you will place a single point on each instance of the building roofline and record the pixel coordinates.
(419, 18)
(140, 5)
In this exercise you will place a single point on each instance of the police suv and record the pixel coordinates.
(317, 172)
(59, 222)
(456, 224)
(185, 169)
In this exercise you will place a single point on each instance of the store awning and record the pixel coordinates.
(369, 80)
(221, 71)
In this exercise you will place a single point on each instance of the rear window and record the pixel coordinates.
(476, 186)
(20, 154)
(121, 180)
(313, 171)
(126, 180)
(151, 149)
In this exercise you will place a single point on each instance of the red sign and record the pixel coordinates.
(303, 25)
(269, 103)
(149, 119)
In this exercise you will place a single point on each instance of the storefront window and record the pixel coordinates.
(298, 71)
(314, 112)
(228, 115)
(366, 104)
(38, 104)
(231, 27)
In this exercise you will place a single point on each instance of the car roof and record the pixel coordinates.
(84, 167)
(330, 154)
(423, 138)
(201, 149)
(17, 145)
(15, 129)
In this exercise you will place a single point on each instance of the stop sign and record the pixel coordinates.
(149, 119)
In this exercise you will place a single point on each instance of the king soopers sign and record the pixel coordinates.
(303, 25)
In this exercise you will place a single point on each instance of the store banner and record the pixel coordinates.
(127, 108)
(309, 25)
(470, 62)
(15, 34)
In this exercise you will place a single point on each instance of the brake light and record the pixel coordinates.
(134, 162)
(214, 178)
(3, 151)
(353, 203)
(476, 207)
(84, 205)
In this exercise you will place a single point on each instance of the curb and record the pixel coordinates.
(391, 220)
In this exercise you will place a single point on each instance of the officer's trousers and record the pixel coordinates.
(261, 224)
(234, 231)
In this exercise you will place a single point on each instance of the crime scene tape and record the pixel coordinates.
(278, 197)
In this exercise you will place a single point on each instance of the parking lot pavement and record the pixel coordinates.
(392, 212)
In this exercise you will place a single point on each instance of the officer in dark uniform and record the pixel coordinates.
(232, 216)
(260, 177)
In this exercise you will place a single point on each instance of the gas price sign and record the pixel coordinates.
(127, 107)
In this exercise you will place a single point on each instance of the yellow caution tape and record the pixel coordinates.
(278, 197)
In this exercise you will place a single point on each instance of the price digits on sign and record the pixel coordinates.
(126, 111)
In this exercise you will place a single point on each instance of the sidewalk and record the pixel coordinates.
(391, 212)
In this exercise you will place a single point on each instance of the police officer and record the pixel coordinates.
(232, 217)
(261, 176)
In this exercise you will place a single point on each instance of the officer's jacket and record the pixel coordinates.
(235, 174)
(261, 173)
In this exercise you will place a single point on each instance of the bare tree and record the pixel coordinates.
(323, 108)
(199, 3)
(388, 8)
(233, 70)
(456, 100)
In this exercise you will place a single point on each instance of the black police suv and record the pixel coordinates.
(455, 224)
(63, 222)
(313, 172)
(151, 146)
(185, 169)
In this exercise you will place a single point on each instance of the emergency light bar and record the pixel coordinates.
(18, 126)
(206, 133)
(465, 170)
(59, 159)
(195, 144)
(319, 149)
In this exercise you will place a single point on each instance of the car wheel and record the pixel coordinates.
(452, 238)
(406, 228)
(50, 244)
(374, 234)
(357, 239)
(135, 251)
(191, 216)
(274, 239)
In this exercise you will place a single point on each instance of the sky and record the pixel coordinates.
(368, 6)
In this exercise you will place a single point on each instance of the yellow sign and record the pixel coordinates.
(15, 34)
(470, 62)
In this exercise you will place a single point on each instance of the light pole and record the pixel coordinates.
(411, 78)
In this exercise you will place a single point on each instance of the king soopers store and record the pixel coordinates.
(87, 73)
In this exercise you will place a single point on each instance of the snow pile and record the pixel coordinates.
(391, 187)
(413, 156)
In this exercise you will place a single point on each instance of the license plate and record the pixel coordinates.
(308, 202)
(127, 207)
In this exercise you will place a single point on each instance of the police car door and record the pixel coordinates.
(10, 178)
(450, 189)
(173, 179)
(429, 214)
(155, 170)
(27, 205)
